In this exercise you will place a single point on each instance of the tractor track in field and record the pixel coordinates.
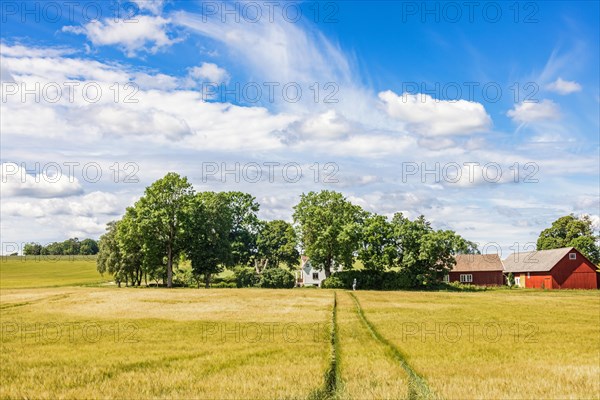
(331, 383)
(417, 385)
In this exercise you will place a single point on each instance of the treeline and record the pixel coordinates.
(70, 247)
(171, 223)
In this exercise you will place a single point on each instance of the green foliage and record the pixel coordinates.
(371, 280)
(32, 249)
(333, 282)
(243, 210)
(329, 228)
(161, 216)
(69, 247)
(209, 224)
(569, 231)
(462, 287)
(277, 278)
(510, 279)
(424, 254)
(276, 243)
(377, 249)
(88, 247)
(229, 285)
(246, 277)
(109, 256)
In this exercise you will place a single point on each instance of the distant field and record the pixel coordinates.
(89, 342)
(48, 271)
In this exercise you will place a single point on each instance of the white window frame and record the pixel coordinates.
(313, 276)
(529, 275)
(572, 256)
(446, 278)
(517, 281)
(466, 278)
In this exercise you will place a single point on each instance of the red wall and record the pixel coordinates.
(566, 274)
(481, 277)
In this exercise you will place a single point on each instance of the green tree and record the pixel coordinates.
(276, 243)
(277, 278)
(424, 254)
(88, 247)
(109, 255)
(161, 215)
(570, 231)
(208, 245)
(243, 210)
(328, 227)
(32, 249)
(71, 246)
(130, 247)
(377, 249)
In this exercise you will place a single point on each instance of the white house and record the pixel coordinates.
(309, 276)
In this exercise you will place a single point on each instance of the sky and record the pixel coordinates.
(482, 116)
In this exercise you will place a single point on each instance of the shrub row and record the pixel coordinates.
(369, 280)
(273, 278)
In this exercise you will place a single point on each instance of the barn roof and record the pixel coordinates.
(535, 261)
(477, 262)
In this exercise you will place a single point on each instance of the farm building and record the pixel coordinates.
(477, 269)
(309, 276)
(564, 268)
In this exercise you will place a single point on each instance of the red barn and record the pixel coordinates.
(564, 268)
(477, 269)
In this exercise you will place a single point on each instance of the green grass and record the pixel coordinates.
(48, 271)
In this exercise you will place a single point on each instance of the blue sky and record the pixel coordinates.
(386, 87)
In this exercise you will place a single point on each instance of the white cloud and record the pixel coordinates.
(48, 181)
(90, 205)
(427, 116)
(564, 87)
(153, 6)
(535, 112)
(328, 125)
(18, 50)
(145, 33)
(208, 72)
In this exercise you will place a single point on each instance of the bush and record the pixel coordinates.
(183, 277)
(277, 278)
(333, 282)
(245, 277)
(223, 279)
(461, 287)
(221, 285)
(370, 280)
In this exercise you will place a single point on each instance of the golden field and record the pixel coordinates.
(89, 339)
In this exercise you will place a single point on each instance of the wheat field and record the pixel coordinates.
(93, 340)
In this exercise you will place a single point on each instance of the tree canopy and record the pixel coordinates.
(212, 231)
(328, 229)
(570, 231)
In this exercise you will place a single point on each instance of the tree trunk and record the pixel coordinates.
(327, 268)
(206, 281)
(169, 267)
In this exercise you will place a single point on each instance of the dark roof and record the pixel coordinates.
(536, 261)
(477, 262)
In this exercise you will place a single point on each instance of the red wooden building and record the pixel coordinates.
(564, 268)
(477, 269)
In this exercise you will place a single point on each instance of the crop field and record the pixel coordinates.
(85, 341)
